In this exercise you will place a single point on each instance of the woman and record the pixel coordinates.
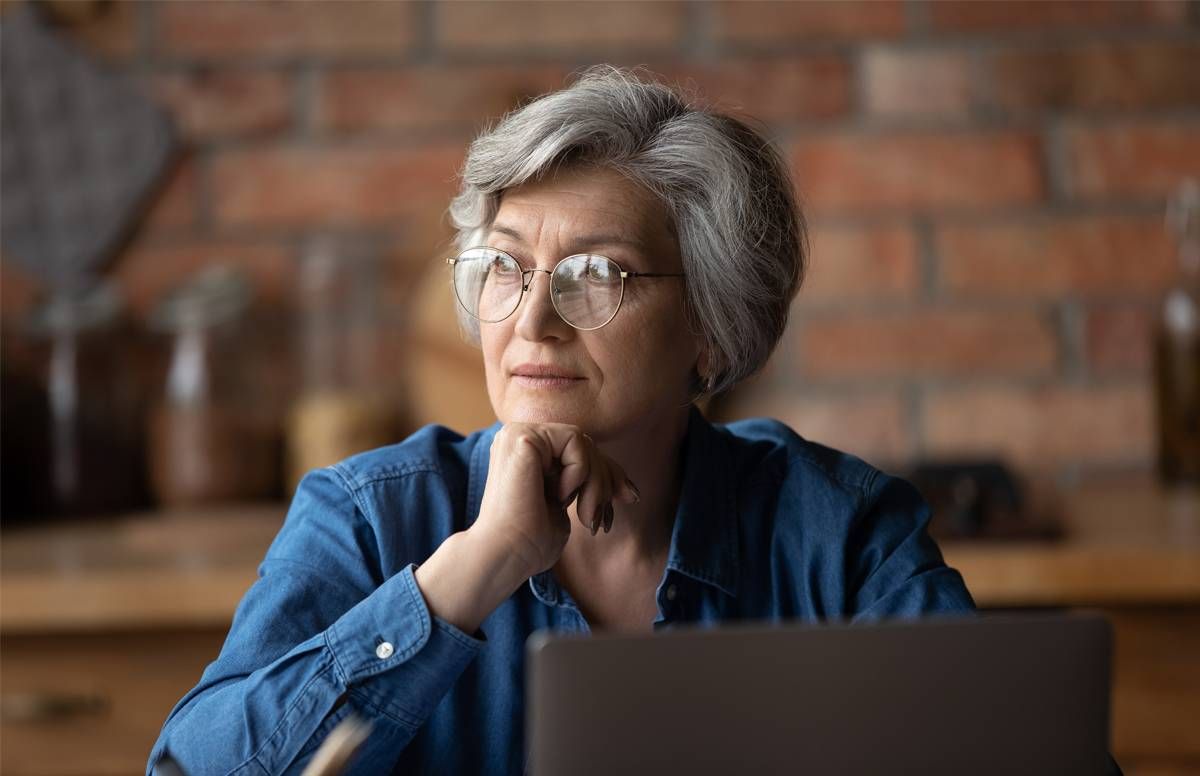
(623, 253)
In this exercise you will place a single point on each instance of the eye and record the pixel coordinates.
(501, 264)
(598, 269)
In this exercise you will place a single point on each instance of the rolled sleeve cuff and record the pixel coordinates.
(390, 647)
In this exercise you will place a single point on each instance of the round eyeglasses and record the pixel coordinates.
(586, 289)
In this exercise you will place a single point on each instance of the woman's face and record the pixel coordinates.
(633, 371)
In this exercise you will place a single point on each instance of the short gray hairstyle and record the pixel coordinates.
(742, 236)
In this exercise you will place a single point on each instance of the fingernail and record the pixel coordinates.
(637, 496)
(608, 518)
(595, 526)
(575, 493)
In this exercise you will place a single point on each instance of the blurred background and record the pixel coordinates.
(221, 265)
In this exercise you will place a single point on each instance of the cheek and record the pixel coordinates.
(653, 358)
(492, 342)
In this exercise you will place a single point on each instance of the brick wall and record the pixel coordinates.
(985, 181)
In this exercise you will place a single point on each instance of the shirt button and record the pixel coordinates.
(671, 592)
(384, 650)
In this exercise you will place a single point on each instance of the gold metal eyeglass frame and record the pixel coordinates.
(527, 280)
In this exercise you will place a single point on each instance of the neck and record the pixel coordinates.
(641, 532)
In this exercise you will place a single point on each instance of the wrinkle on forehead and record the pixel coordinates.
(582, 203)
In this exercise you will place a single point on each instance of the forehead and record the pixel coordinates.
(580, 201)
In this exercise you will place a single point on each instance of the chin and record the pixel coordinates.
(546, 412)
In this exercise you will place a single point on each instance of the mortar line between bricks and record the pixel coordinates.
(425, 27)
(306, 87)
(1054, 161)
(916, 18)
(914, 410)
(697, 23)
(927, 259)
(1073, 334)
(148, 22)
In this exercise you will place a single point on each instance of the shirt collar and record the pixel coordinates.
(704, 539)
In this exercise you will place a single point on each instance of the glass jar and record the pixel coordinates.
(207, 442)
(1177, 349)
(82, 412)
(343, 407)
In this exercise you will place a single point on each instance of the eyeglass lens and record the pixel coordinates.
(586, 290)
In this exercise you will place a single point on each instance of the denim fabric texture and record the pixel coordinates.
(769, 527)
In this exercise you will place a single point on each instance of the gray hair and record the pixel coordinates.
(742, 237)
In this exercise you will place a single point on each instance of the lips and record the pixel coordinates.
(546, 371)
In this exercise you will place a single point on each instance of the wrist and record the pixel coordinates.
(498, 554)
(467, 578)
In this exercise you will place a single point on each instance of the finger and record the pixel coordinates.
(573, 455)
(623, 488)
(595, 495)
(604, 514)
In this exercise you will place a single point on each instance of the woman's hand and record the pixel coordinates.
(536, 471)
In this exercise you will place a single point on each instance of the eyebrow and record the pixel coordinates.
(578, 242)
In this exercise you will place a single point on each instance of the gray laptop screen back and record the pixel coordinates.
(990, 695)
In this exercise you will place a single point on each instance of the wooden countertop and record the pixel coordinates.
(150, 570)
(1124, 544)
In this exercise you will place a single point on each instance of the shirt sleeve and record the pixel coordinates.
(895, 568)
(316, 638)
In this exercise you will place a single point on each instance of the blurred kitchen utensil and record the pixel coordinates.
(980, 499)
(81, 150)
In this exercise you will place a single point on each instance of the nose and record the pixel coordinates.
(537, 319)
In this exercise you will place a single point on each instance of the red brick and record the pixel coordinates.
(918, 171)
(1119, 338)
(175, 205)
(926, 343)
(151, 269)
(518, 26)
(872, 425)
(1084, 254)
(977, 16)
(199, 28)
(917, 84)
(752, 21)
(374, 99)
(1039, 426)
(222, 103)
(1131, 159)
(107, 30)
(324, 186)
(860, 263)
(773, 89)
(1096, 77)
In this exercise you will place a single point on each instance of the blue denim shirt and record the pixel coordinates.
(769, 527)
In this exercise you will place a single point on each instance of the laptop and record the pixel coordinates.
(994, 694)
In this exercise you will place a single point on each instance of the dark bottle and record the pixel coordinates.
(1177, 349)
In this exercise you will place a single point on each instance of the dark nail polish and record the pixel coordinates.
(608, 518)
(637, 495)
(574, 494)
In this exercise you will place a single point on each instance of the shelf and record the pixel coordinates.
(1124, 545)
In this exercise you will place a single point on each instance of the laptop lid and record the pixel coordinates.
(998, 694)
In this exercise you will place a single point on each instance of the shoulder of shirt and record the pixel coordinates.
(768, 443)
(432, 449)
